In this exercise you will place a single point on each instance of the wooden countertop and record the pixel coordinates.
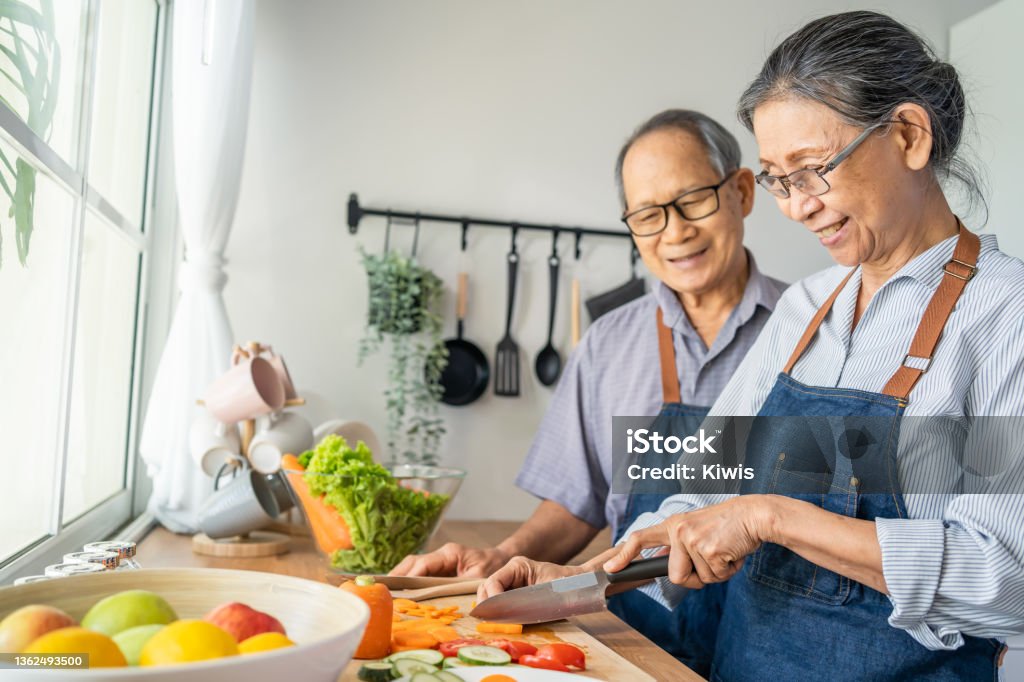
(161, 549)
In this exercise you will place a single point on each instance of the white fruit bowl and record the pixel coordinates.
(325, 623)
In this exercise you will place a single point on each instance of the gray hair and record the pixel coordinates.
(722, 148)
(863, 65)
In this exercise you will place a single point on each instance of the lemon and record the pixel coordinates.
(102, 651)
(187, 640)
(264, 641)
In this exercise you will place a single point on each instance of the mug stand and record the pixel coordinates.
(255, 544)
(274, 539)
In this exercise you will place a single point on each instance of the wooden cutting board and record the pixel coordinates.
(602, 662)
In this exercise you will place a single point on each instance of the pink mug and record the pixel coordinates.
(250, 389)
(277, 361)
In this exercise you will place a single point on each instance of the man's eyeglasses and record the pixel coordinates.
(811, 181)
(692, 205)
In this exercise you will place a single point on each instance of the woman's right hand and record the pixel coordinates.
(520, 572)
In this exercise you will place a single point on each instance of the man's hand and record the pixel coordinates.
(453, 560)
(706, 545)
(520, 572)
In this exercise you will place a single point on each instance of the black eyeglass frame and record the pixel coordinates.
(785, 182)
(675, 204)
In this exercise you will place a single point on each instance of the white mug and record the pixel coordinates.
(213, 443)
(279, 434)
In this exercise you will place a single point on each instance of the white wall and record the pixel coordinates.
(506, 110)
(987, 49)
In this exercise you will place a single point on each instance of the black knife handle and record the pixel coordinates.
(644, 569)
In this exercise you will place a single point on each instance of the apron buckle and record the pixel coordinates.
(921, 365)
(971, 269)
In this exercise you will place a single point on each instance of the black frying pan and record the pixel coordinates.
(466, 376)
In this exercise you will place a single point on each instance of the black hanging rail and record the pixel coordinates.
(357, 212)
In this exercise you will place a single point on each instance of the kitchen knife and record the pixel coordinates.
(572, 596)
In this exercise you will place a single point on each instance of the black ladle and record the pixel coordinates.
(549, 363)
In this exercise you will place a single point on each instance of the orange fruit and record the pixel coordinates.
(103, 651)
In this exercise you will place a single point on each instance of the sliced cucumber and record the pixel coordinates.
(424, 677)
(410, 666)
(452, 662)
(378, 671)
(431, 656)
(484, 655)
(446, 676)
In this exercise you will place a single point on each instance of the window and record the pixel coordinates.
(77, 79)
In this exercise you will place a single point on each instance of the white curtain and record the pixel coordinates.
(211, 69)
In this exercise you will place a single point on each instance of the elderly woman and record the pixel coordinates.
(858, 124)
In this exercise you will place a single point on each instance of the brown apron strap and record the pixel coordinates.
(956, 273)
(812, 328)
(667, 356)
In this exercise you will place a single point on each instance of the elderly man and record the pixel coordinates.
(684, 198)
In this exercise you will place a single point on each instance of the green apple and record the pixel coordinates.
(132, 640)
(124, 610)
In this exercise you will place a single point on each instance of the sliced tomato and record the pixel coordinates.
(452, 648)
(517, 649)
(544, 663)
(513, 648)
(566, 654)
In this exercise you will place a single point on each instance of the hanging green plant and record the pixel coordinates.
(404, 298)
(30, 67)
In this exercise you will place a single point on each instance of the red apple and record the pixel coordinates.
(23, 626)
(242, 621)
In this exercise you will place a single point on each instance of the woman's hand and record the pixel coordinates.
(707, 545)
(520, 572)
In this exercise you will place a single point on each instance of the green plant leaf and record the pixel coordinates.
(33, 69)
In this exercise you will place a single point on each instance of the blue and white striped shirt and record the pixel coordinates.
(956, 565)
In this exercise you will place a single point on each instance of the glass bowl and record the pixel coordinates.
(376, 526)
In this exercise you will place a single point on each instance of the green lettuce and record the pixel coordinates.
(386, 521)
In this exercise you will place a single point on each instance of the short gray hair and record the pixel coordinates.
(863, 65)
(722, 148)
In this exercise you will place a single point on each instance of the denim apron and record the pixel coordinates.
(788, 619)
(688, 631)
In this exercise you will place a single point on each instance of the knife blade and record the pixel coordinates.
(571, 596)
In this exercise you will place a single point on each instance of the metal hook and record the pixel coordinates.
(554, 242)
(515, 233)
(416, 233)
(633, 255)
(579, 236)
(465, 231)
(387, 234)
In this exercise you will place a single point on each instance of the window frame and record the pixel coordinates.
(156, 239)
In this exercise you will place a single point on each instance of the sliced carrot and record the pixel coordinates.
(329, 528)
(396, 618)
(500, 628)
(416, 624)
(444, 633)
(401, 603)
(416, 640)
(448, 620)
